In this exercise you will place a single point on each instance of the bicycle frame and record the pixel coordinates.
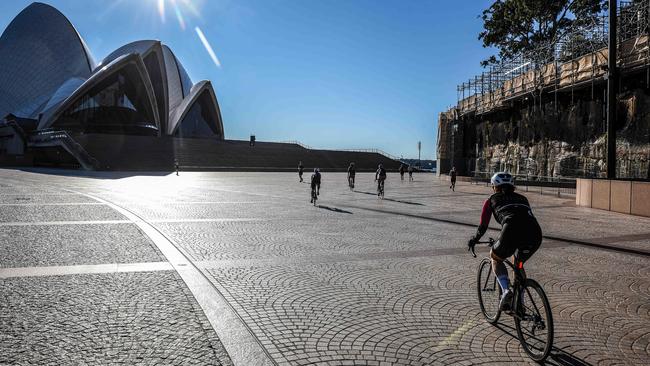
(519, 273)
(524, 307)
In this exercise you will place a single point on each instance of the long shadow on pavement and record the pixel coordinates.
(558, 356)
(334, 209)
(392, 200)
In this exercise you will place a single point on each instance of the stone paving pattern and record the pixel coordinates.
(137, 318)
(364, 281)
(109, 318)
(28, 246)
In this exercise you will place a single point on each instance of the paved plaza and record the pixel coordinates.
(222, 268)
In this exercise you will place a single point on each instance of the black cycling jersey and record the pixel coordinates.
(315, 178)
(351, 171)
(380, 174)
(506, 206)
(520, 229)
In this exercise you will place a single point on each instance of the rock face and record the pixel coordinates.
(553, 138)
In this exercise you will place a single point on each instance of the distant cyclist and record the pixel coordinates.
(452, 175)
(410, 173)
(351, 173)
(402, 169)
(519, 229)
(315, 182)
(301, 168)
(380, 177)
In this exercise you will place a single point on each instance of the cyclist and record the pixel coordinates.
(380, 177)
(410, 173)
(315, 183)
(519, 230)
(300, 170)
(452, 174)
(402, 169)
(351, 173)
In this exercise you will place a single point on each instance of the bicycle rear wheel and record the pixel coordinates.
(535, 321)
(489, 291)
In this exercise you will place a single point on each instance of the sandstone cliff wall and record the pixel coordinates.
(558, 138)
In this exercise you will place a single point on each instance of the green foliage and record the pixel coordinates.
(516, 26)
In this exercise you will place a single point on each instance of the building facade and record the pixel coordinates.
(51, 86)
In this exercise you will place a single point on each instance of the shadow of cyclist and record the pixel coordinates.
(558, 356)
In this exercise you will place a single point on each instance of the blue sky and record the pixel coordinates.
(331, 74)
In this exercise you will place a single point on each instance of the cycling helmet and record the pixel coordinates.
(501, 178)
(316, 170)
(381, 166)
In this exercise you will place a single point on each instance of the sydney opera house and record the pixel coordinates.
(135, 108)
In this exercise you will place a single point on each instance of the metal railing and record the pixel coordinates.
(534, 183)
(371, 150)
(63, 139)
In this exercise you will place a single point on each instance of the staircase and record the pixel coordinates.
(60, 139)
(120, 152)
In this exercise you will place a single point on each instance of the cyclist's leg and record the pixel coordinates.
(502, 249)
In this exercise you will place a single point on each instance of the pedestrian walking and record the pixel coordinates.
(301, 168)
(452, 174)
(410, 173)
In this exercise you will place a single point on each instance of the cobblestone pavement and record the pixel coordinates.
(74, 316)
(356, 280)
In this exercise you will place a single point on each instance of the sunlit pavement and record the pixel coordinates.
(110, 268)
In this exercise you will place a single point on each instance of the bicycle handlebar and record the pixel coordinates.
(490, 242)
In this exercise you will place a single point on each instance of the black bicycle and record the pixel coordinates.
(530, 307)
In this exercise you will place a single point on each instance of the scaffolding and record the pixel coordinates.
(577, 57)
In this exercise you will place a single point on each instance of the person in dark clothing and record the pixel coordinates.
(301, 168)
(315, 182)
(380, 177)
(452, 174)
(520, 231)
(351, 173)
(410, 170)
(402, 169)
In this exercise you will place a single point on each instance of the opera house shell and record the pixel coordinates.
(51, 89)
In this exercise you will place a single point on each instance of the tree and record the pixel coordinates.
(516, 26)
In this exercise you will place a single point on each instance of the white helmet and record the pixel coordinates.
(501, 178)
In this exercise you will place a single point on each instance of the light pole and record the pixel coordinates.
(612, 80)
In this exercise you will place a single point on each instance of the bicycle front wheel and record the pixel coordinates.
(489, 291)
(534, 321)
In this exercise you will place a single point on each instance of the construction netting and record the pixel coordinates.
(515, 78)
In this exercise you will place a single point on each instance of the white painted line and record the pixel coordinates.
(46, 223)
(242, 346)
(53, 204)
(202, 220)
(84, 269)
